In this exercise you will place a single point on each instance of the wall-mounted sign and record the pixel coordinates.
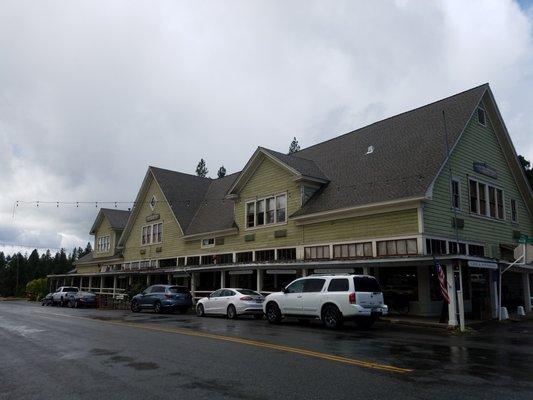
(484, 169)
(246, 272)
(281, 271)
(482, 264)
(152, 217)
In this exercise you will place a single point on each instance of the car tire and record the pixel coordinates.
(135, 306)
(331, 317)
(70, 304)
(258, 316)
(200, 312)
(365, 322)
(157, 307)
(76, 304)
(273, 313)
(231, 312)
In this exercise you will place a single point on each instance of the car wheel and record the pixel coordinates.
(157, 307)
(258, 316)
(231, 312)
(70, 304)
(331, 317)
(273, 313)
(200, 310)
(76, 304)
(135, 306)
(365, 322)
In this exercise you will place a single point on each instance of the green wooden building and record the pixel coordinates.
(438, 183)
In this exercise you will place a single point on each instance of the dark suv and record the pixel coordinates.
(163, 298)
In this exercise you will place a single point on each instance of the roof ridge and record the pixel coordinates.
(394, 116)
(179, 172)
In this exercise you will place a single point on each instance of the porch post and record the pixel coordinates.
(81, 282)
(527, 291)
(130, 279)
(452, 307)
(114, 285)
(72, 281)
(90, 283)
(147, 280)
(365, 270)
(259, 281)
(193, 283)
(102, 278)
(169, 279)
(222, 279)
(304, 272)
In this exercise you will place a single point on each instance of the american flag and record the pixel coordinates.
(443, 283)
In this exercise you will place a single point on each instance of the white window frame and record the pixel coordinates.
(487, 200)
(264, 199)
(150, 233)
(458, 181)
(514, 218)
(208, 245)
(100, 241)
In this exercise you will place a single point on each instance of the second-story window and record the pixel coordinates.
(456, 194)
(269, 210)
(514, 211)
(486, 200)
(152, 233)
(102, 244)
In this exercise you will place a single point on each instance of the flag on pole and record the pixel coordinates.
(442, 282)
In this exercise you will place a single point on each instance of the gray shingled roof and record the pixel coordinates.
(117, 218)
(408, 151)
(215, 213)
(184, 192)
(303, 166)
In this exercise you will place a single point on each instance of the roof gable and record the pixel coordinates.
(390, 160)
(301, 168)
(117, 219)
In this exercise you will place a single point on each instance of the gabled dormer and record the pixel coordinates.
(107, 229)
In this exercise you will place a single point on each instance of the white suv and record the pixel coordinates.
(331, 298)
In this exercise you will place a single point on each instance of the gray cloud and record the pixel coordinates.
(93, 92)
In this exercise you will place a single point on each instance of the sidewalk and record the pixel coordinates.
(433, 322)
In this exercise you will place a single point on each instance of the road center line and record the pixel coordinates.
(249, 342)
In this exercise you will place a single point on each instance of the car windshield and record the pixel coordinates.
(248, 292)
(366, 284)
(178, 289)
(70, 289)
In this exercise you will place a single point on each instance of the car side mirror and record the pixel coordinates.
(284, 290)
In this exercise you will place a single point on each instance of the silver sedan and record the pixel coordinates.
(232, 303)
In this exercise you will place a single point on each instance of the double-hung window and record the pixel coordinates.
(456, 194)
(102, 244)
(486, 200)
(152, 234)
(269, 210)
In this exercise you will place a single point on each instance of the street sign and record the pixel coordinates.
(525, 239)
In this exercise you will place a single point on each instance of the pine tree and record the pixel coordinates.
(294, 147)
(527, 169)
(221, 172)
(201, 169)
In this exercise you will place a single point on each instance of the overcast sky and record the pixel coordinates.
(92, 92)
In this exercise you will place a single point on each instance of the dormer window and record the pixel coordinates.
(266, 211)
(481, 117)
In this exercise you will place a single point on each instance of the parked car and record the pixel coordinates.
(163, 298)
(81, 299)
(232, 303)
(60, 295)
(330, 298)
(47, 300)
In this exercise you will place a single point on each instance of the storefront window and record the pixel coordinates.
(399, 282)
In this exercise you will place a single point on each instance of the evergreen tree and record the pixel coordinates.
(527, 169)
(221, 172)
(87, 250)
(294, 147)
(201, 169)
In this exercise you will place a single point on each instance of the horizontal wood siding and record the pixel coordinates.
(104, 229)
(268, 179)
(478, 144)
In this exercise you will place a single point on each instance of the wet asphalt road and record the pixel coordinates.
(61, 353)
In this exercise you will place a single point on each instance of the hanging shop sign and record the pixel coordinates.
(482, 264)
